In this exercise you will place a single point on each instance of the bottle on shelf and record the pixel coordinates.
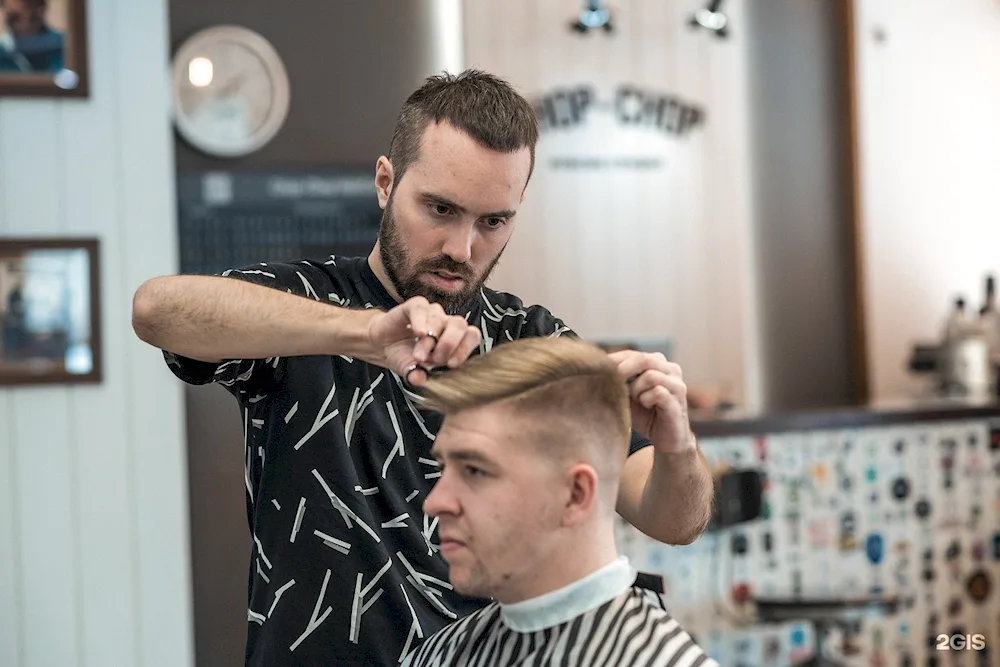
(964, 364)
(957, 323)
(989, 303)
(989, 323)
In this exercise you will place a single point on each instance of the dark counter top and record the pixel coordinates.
(904, 411)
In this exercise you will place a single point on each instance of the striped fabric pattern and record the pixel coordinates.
(630, 630)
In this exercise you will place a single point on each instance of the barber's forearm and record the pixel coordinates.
(676, 502)
(214, 318)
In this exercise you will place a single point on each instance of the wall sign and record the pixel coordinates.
(231, 219)
(629, 105)
(618, 112)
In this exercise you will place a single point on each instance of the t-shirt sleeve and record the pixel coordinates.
(637, 442)
(242, 376)
(538, 321)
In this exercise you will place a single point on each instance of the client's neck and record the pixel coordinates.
(581, 554)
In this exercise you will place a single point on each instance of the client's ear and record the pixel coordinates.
(581, 479)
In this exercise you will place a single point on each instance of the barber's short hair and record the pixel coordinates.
(482, 105)
(569, 388)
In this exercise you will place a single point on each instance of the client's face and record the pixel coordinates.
(499, 505)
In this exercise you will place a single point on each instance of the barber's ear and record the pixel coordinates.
(582, 482)
(383, 180)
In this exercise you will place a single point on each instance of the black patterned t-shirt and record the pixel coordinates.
(345, 569)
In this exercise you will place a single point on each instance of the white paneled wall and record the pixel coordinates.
(634, 253)
(94, 558)
(930, 169)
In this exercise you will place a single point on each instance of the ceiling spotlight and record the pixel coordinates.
(592, 17)
(712, 19)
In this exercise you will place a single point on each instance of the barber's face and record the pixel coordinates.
(498, 503)
(448, 219)
(24, 17)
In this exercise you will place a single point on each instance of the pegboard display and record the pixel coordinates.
(232, 219)
(905, 514)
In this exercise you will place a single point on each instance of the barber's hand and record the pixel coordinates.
(658, 399)
(417, 336)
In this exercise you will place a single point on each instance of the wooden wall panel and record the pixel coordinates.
(626, 253)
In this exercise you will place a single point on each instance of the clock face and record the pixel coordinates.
(230, 91)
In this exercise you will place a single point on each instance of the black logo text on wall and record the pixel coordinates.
(629, 105)
(618, 112)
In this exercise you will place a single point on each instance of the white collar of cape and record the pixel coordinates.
(566, 603)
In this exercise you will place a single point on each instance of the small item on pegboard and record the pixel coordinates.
(994, 438)
(741, 593)
(760, 443)
(979, 586)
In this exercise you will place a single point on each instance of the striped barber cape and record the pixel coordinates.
(630, 629)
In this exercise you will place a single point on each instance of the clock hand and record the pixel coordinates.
(229, 87)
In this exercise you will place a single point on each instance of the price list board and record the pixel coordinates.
(233, 219)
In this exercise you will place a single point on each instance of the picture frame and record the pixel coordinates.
(44, 48)
(50, 311)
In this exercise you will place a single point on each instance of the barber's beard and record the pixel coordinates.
(407, 280)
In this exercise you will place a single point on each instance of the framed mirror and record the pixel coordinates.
(43, 48)
(50, 312)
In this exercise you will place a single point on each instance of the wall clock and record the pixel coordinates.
(230, 91)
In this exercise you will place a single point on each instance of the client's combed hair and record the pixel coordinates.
(570, 388)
